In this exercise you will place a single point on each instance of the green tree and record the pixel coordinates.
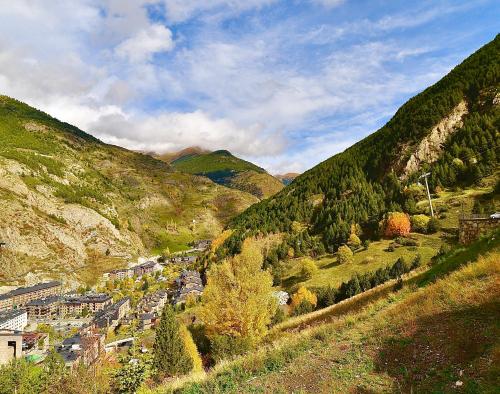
(345, 254)
(170, 354)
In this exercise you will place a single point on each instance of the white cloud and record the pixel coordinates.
(328, 3)
(142, 46)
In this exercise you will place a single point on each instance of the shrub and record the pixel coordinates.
(434, 226)
(406, 241)
(366, 243)
(345, 254)
(278, 317)
(224, 346)
(417, 262)
(304, 307)
(419, 223)
(354, 242)
(308, 268)
(396, 224)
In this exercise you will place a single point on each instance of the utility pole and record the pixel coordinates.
(428, 192)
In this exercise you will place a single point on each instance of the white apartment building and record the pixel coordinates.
(14, 319)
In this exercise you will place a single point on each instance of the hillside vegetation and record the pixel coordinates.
(71, 204)
(439, 333)
(225, 169)
(450, 129)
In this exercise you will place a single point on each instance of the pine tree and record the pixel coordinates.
(170, 354)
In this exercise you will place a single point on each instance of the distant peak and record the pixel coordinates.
(222, 152)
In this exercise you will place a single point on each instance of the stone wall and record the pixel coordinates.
(470, 229)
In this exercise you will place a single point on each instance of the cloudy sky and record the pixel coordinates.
(285, 84)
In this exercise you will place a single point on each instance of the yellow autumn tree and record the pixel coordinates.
(238, 301)
(191, 348)
(303, 294)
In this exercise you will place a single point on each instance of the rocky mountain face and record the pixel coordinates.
(287, 178)
(224, 168)
(74, 206)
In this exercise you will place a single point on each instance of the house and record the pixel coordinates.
(83, 348)
(189, 284)
(76, 304)
(14, 319)
(146, 320)
(11, 345)
(202, 244)
(43, 308)
(35, 340)
(113, 314)
(23, 295)
(153, 303)
(120, 274)
(144, 269)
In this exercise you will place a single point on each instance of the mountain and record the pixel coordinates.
(450, 129)
(228, 170)
(287, 178)
(74, 206)
(169, 157)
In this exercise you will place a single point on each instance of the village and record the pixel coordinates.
(84, 325)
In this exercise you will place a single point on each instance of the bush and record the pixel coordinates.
(417, 262)
(434, 226)
(366, 244)
(354, 242)
(303, 308)
(224, 346)
(396, 224)
(308, 268)
(419, 223)
(345, 255)
(278, 317)
(406, 241)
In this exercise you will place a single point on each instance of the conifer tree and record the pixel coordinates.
(170, 355)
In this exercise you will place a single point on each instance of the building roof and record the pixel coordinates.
(38, 286)
(5, 316)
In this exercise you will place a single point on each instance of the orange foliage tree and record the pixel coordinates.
(397, 224)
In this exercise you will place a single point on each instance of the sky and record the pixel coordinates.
(285, 84)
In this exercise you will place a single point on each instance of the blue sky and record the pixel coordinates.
(285, 84)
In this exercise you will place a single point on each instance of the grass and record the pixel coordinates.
(416, 340)
(332, 273)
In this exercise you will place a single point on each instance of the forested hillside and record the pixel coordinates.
(450, 129)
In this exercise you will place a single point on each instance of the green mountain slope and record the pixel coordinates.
(72, 204)
(450, 129)
(225, 169)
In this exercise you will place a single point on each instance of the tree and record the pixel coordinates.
(345, 255)
(309, 268)
(191, 348)
(303, 294)
(396, 224)
(237, 301)
(129, 378)
(170, 354)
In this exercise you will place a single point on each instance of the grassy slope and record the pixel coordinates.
(440, 329)
(52, 171)
(224, 168)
